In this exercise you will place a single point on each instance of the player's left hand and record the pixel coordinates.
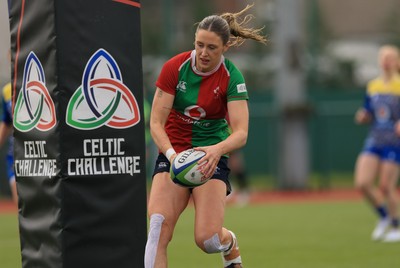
(209, 162)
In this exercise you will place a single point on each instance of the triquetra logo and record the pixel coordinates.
(34, 107)
(102, 99)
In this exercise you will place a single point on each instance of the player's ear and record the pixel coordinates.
(226, 47)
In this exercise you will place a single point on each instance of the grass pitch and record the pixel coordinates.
(309, 235)
(291, 235)
(10, 256)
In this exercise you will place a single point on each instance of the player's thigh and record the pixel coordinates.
(167, 198)
(209, 201)
(388, 175)
(366, 170)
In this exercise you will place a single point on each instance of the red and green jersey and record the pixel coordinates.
(200, 105)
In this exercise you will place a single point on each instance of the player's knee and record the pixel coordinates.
(199, 240)
(358, 185)
(361, 185)
(210, 244)
(160, 229)
(384, 188)
(156, 223)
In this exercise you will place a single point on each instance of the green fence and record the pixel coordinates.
(334, 139)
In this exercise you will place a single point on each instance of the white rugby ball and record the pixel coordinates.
(185, 169)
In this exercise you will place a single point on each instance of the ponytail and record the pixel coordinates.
(238, 30)
(232, 28)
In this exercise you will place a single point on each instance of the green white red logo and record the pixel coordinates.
(34, 107)
(102, 99)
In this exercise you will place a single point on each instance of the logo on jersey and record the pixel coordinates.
(181, 86)
(216, 93)
(241, 88)
(34, 107)
(195, 112)
(382, 114)
(103, 98)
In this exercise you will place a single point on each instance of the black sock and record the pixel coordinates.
(382, 211)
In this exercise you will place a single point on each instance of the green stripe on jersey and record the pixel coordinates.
(214, 132)
(187, 91)
(237, 88)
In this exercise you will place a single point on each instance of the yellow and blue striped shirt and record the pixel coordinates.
(383, 102)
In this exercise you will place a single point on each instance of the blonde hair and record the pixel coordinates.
(391, 48)
(232, 28)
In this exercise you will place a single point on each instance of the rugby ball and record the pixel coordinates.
(185, 169)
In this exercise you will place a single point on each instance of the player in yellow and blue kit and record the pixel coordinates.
(6, 128)
(380, 156)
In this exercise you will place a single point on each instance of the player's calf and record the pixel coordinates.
(231, 257)
(230, 250)
(156, 222)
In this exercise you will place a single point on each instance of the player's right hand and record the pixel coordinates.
(362, 116)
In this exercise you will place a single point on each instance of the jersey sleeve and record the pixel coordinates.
(168, 78)
(367, 103)
(237, 87)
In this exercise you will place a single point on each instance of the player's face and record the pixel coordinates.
(388, 59)
(209, 49)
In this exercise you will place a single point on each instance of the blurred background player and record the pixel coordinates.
(6, 128)
(237, 166)
(380, 157)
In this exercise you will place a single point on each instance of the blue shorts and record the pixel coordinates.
(385, 153)
(222, 172)
(10, 168)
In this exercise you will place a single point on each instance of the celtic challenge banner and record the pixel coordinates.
(79, 132)
(34, 109)
(103, 100)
